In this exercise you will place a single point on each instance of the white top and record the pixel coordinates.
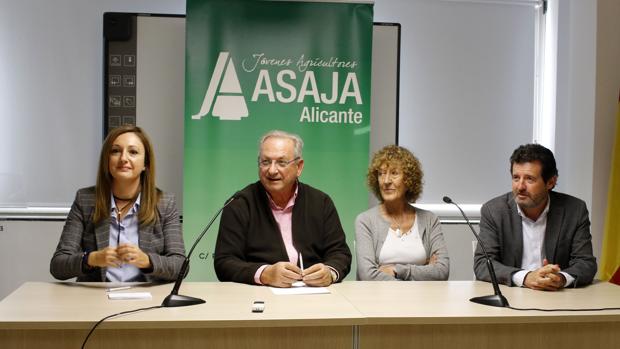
(403, 249)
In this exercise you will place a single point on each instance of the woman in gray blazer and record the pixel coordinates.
(395, 240)
(124, 228)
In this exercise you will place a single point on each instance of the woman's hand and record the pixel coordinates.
(388, 269)
(132, 254)
(432, 260)
(107, 257)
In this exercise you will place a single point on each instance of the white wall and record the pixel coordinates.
(588, 86)
(51, 67)
(467, 91)
(27, 248)
(575, 97)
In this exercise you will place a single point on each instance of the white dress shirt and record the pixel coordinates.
(533, 246)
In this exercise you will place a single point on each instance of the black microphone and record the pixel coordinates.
(174, 299)
(497, 299)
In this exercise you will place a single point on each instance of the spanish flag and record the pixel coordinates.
(610, 259)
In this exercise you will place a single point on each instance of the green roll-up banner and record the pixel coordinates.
(254, 66)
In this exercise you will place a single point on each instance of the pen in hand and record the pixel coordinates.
(300, 283)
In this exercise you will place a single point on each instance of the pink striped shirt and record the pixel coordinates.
(284, 218)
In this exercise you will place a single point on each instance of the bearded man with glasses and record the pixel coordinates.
(278, 225)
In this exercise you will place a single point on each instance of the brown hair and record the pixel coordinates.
(149, 192)
(535, 152)
(394, 155)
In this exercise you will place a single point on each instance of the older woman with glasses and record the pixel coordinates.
(395, 240)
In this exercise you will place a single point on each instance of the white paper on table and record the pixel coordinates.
(299, 290)
(129, 295)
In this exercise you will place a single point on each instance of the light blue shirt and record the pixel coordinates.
(125, 231)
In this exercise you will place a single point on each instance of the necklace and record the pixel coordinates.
(124, 199)
(399, 231)
(124, 206)
(119, 211)
(398, 222)
(129, 200)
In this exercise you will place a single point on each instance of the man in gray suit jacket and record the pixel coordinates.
(536, 237)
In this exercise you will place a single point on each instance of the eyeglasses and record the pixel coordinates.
(281, 164)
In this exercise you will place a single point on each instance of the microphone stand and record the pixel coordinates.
(496, 299)
(174, 299)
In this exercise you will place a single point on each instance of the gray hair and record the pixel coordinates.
(297, 141)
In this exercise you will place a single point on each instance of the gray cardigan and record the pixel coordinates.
(371, 229)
